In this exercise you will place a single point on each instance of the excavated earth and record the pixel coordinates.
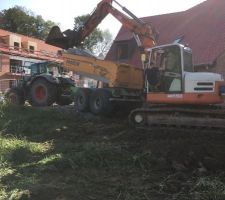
(103, 158)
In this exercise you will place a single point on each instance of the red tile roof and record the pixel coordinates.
(202, 26)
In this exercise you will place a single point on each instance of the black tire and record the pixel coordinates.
(63, 101)
(15, 96)
(82, 99)
(100, 103)
(42, 93)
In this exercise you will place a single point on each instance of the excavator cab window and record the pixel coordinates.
(188, 65)
(167, 60)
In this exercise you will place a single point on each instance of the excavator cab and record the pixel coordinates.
(170, 78)
(166, 67)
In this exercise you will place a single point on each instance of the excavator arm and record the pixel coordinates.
(144, 33)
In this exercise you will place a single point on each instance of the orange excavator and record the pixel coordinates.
(174, 94)
(178, 96)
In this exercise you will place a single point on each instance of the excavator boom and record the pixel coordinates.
(145, 33)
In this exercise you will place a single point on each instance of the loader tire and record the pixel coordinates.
(42, 93)
(15, 96)
(100, 103)
(82, 99)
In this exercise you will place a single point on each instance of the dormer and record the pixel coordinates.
(13, 41)
(29, 46)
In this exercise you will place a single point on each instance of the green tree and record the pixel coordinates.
(20, 20)
(94, 38)
(102, 48)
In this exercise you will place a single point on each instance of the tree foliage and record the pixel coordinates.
(98, 42)
(20, 20)
(93, 38)
(102, 48)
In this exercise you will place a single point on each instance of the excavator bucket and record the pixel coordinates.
(64, 40)
(56, 38)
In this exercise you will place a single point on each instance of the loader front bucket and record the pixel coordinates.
(64, 40)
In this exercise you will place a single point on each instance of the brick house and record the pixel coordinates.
(202, 28)
(17, 50)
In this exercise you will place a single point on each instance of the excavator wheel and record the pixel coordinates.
(82, 99)
(42, 93)
(15, 96)
(100, 103)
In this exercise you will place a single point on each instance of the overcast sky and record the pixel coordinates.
(64, 11)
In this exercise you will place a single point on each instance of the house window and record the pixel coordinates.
(31, 49)
(16, 45)
(122, 51)
(15, 66)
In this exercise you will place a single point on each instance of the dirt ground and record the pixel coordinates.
(87, 157)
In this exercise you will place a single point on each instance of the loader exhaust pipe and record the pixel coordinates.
(64, 40)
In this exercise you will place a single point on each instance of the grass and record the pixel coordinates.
(209, 188)
(18, 149)
(48, 153)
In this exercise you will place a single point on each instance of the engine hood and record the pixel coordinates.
(203, 76)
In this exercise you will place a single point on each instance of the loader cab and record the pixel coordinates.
(165, 70)
(51, 68)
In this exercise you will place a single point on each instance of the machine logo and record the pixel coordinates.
(178, 96)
